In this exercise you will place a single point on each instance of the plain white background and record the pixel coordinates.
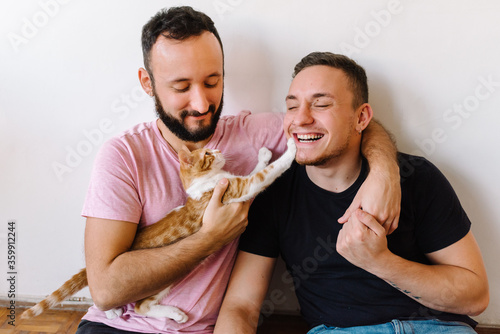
(69, 82)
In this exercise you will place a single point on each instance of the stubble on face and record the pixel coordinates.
(178, 126)
(329, 154)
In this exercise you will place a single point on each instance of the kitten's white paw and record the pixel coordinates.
(291, 146)
(179, 316)
(264, 155)
(167, 311)
(114, 313)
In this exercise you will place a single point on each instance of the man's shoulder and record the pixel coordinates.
(139, 134)
(145, 129)
(413, 166)
(247, 133)
(246, 118)
(136, 142)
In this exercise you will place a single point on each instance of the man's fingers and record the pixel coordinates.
(350, 210)
(219, 190)
(370, 222)
(391, 226)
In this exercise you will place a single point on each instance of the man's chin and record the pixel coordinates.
(310, 161)
(304, 157)
(196, 124)
(204, 118)
(303, 160)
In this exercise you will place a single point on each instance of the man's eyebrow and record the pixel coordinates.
(315, 96)
(322, 95)
(215, 74)
(179, 80)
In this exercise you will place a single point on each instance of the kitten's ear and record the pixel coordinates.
(185, 156)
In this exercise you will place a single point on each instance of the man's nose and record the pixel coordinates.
(303, 115)
(199, 100)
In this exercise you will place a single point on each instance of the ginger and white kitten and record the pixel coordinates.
(200, 171)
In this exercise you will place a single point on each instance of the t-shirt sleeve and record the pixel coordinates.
(266, 129)
(261, 235)
(112, 193)
(443, 220)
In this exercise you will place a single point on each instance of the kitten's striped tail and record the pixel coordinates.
(73, 285)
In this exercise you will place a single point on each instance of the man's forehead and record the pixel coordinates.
(183, 57)
(317, 81)
(206, 42)
(321, 73)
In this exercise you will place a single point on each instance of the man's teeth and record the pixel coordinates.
(308, 138)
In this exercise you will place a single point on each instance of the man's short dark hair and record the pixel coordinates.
(177, 23)
(356, 75)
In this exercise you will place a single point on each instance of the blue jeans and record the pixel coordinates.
(400, 327)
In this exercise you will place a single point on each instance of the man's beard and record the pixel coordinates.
(327, 156)
(178, 128)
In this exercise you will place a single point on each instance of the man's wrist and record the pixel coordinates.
(387, 169)
(382, 265)
(204, 243)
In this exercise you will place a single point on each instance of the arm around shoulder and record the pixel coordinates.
(380, 194)
(379, 148)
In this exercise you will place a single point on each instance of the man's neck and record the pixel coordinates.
(177, 143)
(338, 174)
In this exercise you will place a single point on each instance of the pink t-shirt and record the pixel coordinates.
(136, 179)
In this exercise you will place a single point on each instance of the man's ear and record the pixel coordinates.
(146, 81)
(185, 156)
(365, 114)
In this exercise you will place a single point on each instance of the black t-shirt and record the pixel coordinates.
(297, 219)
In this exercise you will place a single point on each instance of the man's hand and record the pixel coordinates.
(380, 196)
(362, 240)
(222, 223)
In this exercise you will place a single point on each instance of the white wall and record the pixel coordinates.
(69, 82)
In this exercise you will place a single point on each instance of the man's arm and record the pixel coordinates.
(245, 294)
(456, 281)
(117, 276)
(380, 194)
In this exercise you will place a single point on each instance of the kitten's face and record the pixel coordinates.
(199, 163)
(206, 160)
